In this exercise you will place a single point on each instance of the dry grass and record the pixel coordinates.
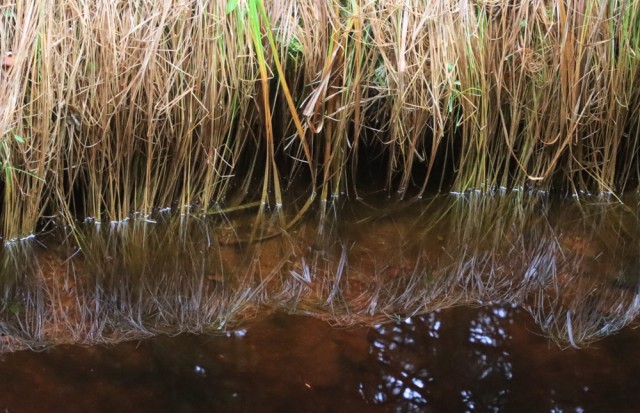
(119, 110)
(112, 107)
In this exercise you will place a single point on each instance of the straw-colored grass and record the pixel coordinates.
(109, 107)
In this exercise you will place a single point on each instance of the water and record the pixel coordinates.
(456, 303)
(462, 359)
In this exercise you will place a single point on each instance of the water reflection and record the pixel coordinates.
(419, 357)
(573, 266)
(489, 359)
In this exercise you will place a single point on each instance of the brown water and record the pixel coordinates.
(489, 359)
(452, 304)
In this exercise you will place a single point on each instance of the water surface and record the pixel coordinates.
(463, 359)
(454, 303)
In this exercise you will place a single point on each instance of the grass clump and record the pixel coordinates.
(124, 107)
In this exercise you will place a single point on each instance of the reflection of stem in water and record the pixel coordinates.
(171, 274)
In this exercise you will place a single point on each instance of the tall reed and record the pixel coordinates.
(109, 107)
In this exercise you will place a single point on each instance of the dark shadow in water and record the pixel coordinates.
(485, 359)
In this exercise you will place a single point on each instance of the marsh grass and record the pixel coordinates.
(130, 106)
(167, 141)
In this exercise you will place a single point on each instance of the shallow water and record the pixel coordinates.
(573, 266)
(490, 359)
(455, 303)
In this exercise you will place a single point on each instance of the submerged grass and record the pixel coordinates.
(112, 107)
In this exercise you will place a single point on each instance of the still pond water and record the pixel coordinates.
(448, 305)
(489, 359)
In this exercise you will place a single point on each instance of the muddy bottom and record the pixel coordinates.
(462, 359)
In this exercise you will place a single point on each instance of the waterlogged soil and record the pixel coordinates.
(488, 359)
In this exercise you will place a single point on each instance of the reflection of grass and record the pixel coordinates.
(169, 273)
(192, 104)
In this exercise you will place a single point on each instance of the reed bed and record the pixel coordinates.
(114, 107)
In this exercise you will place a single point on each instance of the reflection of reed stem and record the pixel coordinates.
(167, 274)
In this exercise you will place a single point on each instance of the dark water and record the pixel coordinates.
(489, 359)
(464, 304)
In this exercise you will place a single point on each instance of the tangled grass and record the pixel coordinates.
(109, 107)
